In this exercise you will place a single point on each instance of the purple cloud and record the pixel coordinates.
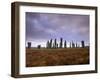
(44, 26)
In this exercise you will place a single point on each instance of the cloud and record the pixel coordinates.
(43, 26)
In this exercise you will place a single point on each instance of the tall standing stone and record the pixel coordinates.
(82, 43)
(76, 45)
(65, 45)
(73, 45)
(55, 43)
(70, 45)
(50, 43)
(61, 42)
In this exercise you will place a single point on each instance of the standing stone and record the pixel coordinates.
(55, 43)
(65, 45)
(61, 42)
(70, 45)
(73, 45)
(50, 43)
(39, 46)
(82, 43)
(29, 44)
(76, 45)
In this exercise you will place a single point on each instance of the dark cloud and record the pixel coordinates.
(43, 26)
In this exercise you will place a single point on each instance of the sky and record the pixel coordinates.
(41, 27)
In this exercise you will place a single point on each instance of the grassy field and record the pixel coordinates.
(55, 57)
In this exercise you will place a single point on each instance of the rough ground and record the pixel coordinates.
(55, 57)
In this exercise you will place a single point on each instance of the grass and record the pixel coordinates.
(55, 57)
